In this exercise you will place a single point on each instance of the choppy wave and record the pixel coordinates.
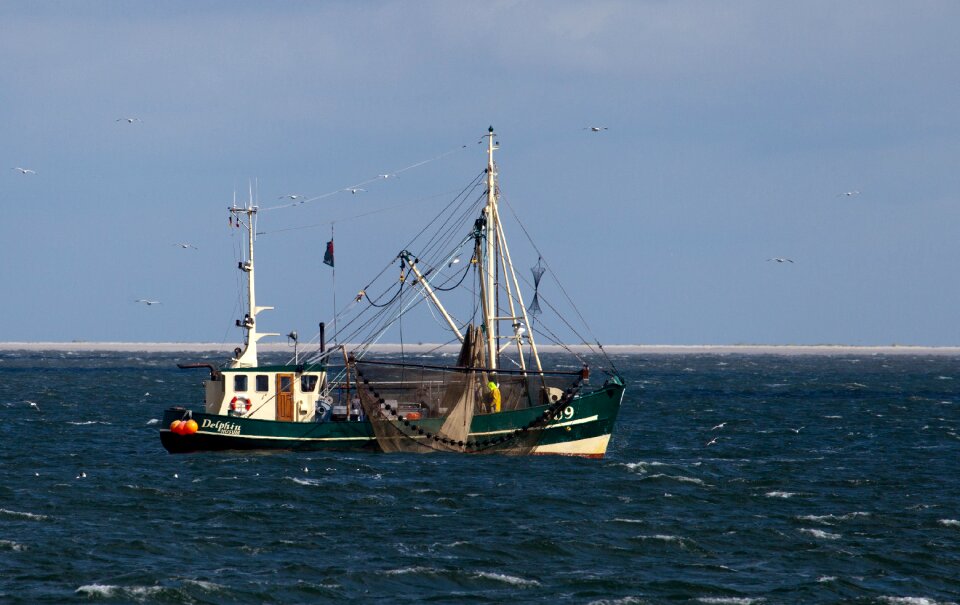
(819, 533)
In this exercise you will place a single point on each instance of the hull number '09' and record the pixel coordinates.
(565, 414)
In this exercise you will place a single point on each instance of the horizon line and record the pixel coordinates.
(122, 346)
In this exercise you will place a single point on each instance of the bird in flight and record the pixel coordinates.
(596, 128)
(292, 196)
(24, 170)
(33, 404)
(185, 246)
(712, 441)
(148, 302)
(848, 193)
(129, 120)
(719, 426)
(453, 262)
(779, 259)
(355, 189)
(386, 176)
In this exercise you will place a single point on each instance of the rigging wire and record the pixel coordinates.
(368, 181)
(562, 289)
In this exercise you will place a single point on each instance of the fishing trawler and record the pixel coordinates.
(499, 396)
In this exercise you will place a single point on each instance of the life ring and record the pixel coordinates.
(237, 402)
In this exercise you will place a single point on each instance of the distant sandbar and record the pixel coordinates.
(173, 347)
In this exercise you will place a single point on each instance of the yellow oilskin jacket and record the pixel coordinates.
(494, 396)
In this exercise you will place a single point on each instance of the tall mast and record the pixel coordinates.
(247, 218)
(490, 261)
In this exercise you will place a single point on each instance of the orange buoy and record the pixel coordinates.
(175, 427)
(413, 416)
(191, 427)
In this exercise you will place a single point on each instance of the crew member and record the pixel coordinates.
(494, 396)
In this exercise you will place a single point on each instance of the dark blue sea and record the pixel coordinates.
(828, 479)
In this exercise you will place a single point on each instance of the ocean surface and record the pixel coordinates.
(730, 479)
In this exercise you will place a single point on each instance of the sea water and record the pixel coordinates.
(729, 479)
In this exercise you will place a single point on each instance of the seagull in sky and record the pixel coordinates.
(797, 431)
(711, 442)
(848, 193)
(453, 262)
(33, 404)
(24, 170)
(355, 189)
(186, 246)
(148, 302)
(386, 176)
(596, 128)
(292, 196)
(779, 259)
(129, 120)
(719, 426)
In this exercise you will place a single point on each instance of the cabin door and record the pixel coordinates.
(285, 397)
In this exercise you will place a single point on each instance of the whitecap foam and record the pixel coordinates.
(623, 601)
(730, 600)
(828, 519)
(11, 545)
(406, 570)
(86, 422)
(949, 522)
(110, 591)
(910, 601)
(622, 520)
(778, 494)
(300, 481)
(819, 533)
(666, 538)
(680, 478)
(23, 515)
(824, 579)
(508, 579)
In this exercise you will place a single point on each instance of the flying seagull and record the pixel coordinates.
(33, 404)
(148, 302)
(848, 193)
(386, 176)
(454, 262)
(595, 128)
(292, 196)
(355, 189)
(185, 246)
(779, 259)
(129, 120)
(711, 442)
(24, 170)
(719, 426)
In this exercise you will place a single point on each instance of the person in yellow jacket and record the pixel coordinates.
(494, 396)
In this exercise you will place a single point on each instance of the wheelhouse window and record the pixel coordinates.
(263, 383)
(240, 382)
(308, 382)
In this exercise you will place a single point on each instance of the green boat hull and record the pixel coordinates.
(581, 428)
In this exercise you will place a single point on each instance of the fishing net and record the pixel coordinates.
(423, 408)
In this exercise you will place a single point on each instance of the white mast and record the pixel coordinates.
(248, 358)
(490, 264)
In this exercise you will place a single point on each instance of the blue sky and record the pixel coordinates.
(733, 129)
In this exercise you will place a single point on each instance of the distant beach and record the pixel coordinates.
(172, 347)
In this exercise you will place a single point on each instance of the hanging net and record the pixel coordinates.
(538, 271)
(462, 408)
